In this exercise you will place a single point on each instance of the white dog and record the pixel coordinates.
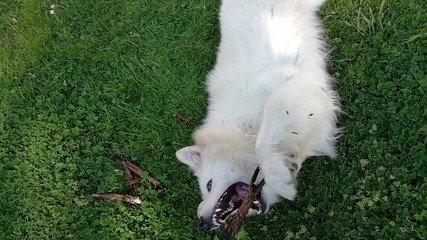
(270, 105)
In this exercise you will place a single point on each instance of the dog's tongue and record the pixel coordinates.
(232, 199)
(242, 190)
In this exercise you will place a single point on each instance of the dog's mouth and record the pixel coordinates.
(232, 199)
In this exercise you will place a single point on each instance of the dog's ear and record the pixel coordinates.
(190, 156)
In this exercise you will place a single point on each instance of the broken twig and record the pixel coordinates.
(238, 218)
(130, 180)
(119, 197)
(138, 171)
(185, 119)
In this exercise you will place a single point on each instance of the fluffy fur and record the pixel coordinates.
(270, 101)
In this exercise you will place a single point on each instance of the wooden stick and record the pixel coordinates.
(130, 180)
(138, 171)
(185, 119)
(119, 197)
(238, 218)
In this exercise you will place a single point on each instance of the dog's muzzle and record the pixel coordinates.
(228, 204)
(206, 224)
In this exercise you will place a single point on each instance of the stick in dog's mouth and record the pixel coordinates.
(232, 199)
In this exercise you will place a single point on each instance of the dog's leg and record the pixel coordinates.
(297, 122)
(278, 177)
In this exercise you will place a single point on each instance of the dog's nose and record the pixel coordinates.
(205, 225)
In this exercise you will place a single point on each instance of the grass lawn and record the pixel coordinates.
(92, 80)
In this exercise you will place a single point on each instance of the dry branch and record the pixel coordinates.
(119, 197)
(130, 170)
(138, 171)
(185, 119)
(238, 218)
(130, 180)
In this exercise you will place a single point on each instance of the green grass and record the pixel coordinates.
(99, 79)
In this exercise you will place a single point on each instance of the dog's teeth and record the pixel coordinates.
(217, 210)
(215, 222)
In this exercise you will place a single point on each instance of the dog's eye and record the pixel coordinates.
(209, 185)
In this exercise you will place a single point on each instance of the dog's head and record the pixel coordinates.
(224, 166)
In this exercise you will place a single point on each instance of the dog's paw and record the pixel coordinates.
(279, 181)
(293, 166)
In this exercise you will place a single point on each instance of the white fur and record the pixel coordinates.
(270, 100)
